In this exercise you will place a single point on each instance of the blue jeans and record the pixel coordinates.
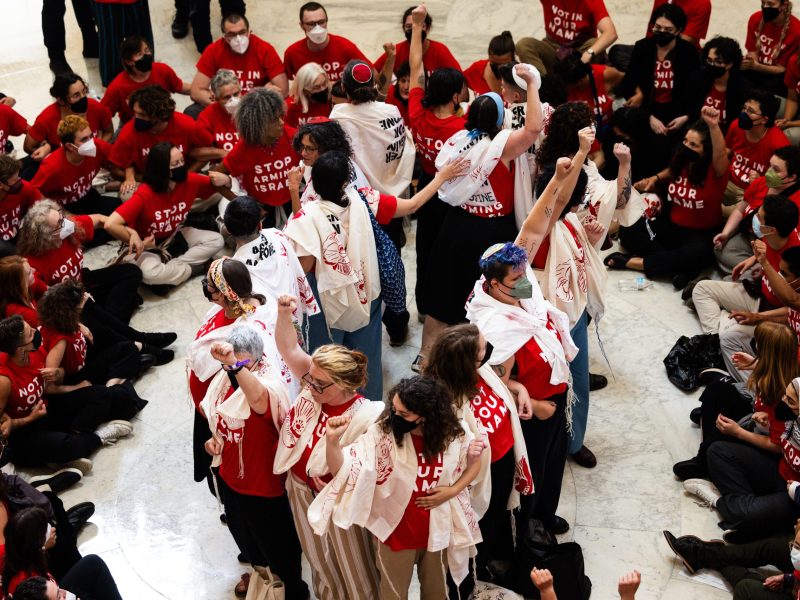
(579, 368)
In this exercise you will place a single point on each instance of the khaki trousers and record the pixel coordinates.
(396, 569)
(542, 53)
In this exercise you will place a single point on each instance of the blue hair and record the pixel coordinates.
(497, 260)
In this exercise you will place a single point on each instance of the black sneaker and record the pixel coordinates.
(557, 526)
(693, 468)
(161, 290)
(160, 340)
(180, 27)
(162, 356)
(58, 481)
(695, 415)
(712, 375)
(79, 514)
(736, 536)
(688, 548)
(597, 382)
(585, 458)
(680, 281)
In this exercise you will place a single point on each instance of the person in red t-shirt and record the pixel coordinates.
(569, 25)
(698, 14)
(717, 83)
(331, 52)
(254, 61)
(310, 97)
(148, 223)
(773, 36)
(140, 71)
(11, 123)
(399, 91)
(217, 117)
(484, 75)
(790, 122)
(263, 156)
(116, 20)
(257, 508)
(752, 139)
(435, 55)
(72, 98)
(16, 197)
(155, 120)
(66, 174)
(20, 289)
(695, 181)
(591, 84)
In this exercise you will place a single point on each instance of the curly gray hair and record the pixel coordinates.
(35, 236)
(222, 78)
(245, 339)
(259, 109)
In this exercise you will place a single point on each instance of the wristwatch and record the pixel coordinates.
(590, 52)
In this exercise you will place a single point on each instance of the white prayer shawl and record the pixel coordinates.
(382, 146)
(574, 277)
(602, 195)
(508, 328)
(523, 478)
(204, 367)
(357, 179)
(346, 259)
(275, 270)
(375, 483)
(235, 410)
(480, 490)
(297, 432)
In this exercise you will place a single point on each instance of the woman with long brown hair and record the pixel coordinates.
(18, 289)
(773, 36)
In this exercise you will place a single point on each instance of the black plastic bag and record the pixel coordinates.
(689, 356)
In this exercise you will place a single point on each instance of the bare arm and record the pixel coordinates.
(608, 35)
(520, 140)
(293, 355)
(385, 76)
(280, 83)
(780, 286)
(417, 78)
(199, 90)
(256, 393)
(407, 206)
(624, 184)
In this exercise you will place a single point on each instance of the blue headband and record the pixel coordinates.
(499, 102)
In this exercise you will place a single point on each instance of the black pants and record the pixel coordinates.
(547, 454)
(115, 22)
(91, 579)
(115, 289)
(724, 398)
(429, 220)
(753, 492)
(264, 530)
(86, 408)
(42, 442)
(64, 554)
(119, 360)
(93, 203)
(674, 250)
(202, 459)
(53, 12)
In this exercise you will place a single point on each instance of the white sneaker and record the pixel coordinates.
(84, 465)
(112, 431)
(706, 491)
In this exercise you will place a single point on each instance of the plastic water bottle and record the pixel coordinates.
(637, 284)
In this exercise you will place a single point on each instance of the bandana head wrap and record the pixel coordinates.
(217, 278)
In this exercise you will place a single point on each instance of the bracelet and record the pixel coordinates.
(657, 178)
(233, 371)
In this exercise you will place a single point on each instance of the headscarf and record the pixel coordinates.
(218, 280)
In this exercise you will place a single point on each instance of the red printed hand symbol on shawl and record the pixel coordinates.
(334, 256)
(299, 417)
(383, 458)
(523, 480)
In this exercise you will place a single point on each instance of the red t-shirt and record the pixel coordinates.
(792, 77)
(332, 57)
(219, 123)
(300, 468)
(198, 388)
(789, 464)
(28, 314)
(60, 180)
(45, 127)
(698, 14)
(295, 115)
(534, 372)
(132, 147)
(248, 453)
(697, 207)
(747, 156)
(492, 413)
(502, 181)
(393, 98)
(27, 385)
(150, 213)
(120, 89)
(584, 93)
(474, 76)
(717, 99)
(794, 321)
(259, 65)
(23, 575)
(663, 81)
(383, 206)
(770, 36)
(11, 123)
(75, 352)
(411, 532)
(566, 21)
(429, 131)
(437, 56)
(66, 261)
(262, 170)
(774, 258)
(13, 207)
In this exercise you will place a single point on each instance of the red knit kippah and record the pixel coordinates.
(361, 73)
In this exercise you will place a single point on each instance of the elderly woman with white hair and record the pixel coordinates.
(245, 405)
(217, 117)
(310, 95)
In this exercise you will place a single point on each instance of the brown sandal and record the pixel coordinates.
(241, 588)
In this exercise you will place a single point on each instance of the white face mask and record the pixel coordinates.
(240, 43)
(317, 35)
(232, 104)
(67, 229)
(69, 595)
(795, 557)
(88, 148)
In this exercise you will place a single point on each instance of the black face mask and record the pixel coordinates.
(662, 38)
(178, 174)
(745, 122)
(495, 68)
(80, 106)
(575, 75)
(714, 71)
(770, 13)
(401, 426)
(408, 35)
(144, 64)
(488, 354)
(142, 125)
(35, 342)
(783, 412)
(206, 293)
(689, 154)
(319, 97)
(15, 188)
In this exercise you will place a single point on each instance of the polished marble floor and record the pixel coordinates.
(160, 532)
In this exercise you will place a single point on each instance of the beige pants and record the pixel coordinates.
(733, 194)
(342, 561)
(542, 53)
(397, 568)
(202, 246)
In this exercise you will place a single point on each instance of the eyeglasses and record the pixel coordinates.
(751, 111)
(309, 149)
(659, 29)
(312, 24)
(716, 63)
(233, 34)
(317, 387)
(60, 224)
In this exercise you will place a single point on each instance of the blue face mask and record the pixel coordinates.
(757, 231)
